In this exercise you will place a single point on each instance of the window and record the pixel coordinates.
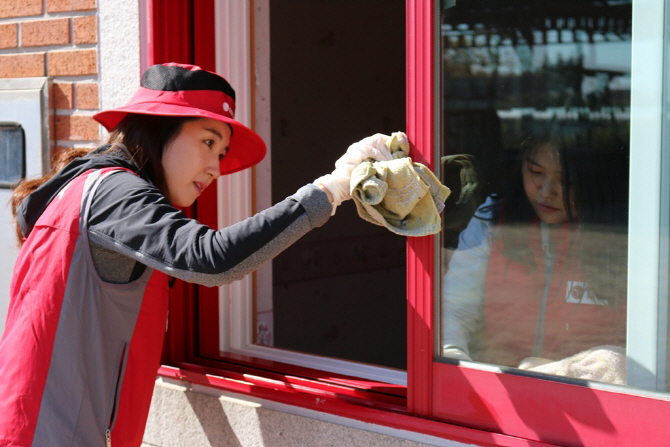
(532, 94)
(326, 77)
(12, 153)
(451, 105)
(536, 115)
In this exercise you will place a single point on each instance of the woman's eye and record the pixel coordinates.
(534, 171)
(209, 143)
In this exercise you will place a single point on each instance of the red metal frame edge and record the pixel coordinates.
(173, 36)
(207, 308)
(548, 410)
(420, 256)
(169, 31)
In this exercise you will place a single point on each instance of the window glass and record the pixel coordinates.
(536, 128)
(337, 75)
(12, 154)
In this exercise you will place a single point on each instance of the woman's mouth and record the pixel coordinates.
(546, 208)
(199, 186)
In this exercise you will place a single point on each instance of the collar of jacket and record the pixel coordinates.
(35, 203)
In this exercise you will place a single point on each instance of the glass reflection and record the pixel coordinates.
(535, 122)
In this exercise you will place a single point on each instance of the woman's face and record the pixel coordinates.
(191, 160)
(542, 181)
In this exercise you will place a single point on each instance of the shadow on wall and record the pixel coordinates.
(179, 417)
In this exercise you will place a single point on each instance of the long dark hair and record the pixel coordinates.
(144, 136)
(594, 163)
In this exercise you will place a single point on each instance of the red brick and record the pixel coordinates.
(87, 96)
(63, 95)
(52, 122)
(45, 32)
(77, 128)
(9, 35)
(70, 5)
(85, 29)
(22, 65)
(20, 8)
(73, 62)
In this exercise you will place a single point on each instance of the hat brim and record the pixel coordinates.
(246, 147)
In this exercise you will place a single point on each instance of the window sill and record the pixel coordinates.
(330, 399)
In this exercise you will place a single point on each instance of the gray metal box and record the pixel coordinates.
(25, 124)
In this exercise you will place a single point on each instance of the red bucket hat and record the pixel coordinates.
(187, 90)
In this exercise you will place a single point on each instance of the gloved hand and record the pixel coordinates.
(338, 182)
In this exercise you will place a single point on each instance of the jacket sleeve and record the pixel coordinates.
(132, 217)
(465, 283)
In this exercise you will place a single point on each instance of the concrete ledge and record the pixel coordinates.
(203, 416)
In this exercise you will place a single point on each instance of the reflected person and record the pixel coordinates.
(539, 274)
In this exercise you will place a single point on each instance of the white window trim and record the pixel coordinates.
(236, 191)
(647, 295)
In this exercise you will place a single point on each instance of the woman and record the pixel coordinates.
(101, 237)
(540, 269)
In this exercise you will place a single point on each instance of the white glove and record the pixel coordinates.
(338, 182)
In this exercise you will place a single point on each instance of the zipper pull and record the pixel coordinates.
(108, 438)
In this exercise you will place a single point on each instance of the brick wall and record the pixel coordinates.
(57, 38)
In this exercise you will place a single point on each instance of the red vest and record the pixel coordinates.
(79, 356)
(516, 320)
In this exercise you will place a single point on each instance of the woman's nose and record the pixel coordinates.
(550, 187)
(213, 168)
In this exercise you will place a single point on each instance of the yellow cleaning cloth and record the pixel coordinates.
(403, 196)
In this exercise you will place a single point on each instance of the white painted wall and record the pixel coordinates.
(119, 51)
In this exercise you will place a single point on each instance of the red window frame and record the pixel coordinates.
(171, 36)
(441, 399)
(421, 262)
(192, 346)
(532, 408)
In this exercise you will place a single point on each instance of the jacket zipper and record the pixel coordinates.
(117, 393)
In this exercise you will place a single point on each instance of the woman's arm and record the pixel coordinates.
(132, 217)
(464, 286)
